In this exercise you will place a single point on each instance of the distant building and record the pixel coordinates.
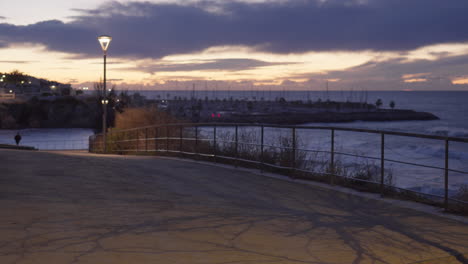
(26, 87)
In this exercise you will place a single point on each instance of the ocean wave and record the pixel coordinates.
(446, 131)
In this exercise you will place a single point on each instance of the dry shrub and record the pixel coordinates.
(125, 137)
(462, 193)
(141, 117)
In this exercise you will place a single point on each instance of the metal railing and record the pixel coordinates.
(204, 140)
(76, 144)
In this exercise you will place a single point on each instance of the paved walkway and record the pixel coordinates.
(84, 208)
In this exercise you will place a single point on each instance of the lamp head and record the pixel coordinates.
(104, 41)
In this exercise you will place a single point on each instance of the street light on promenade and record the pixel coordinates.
(104, 41)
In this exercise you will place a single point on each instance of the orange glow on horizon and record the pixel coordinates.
(416, 80)
(460, 81)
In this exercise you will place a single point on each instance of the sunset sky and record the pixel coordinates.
(298, 44)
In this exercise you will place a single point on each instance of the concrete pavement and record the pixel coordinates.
(69, 207)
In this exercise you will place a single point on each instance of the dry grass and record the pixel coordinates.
(141, 117)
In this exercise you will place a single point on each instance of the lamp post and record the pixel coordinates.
(104, 41)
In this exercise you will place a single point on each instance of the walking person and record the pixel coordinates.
(17, 138)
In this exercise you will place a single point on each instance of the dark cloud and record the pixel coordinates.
(154, 30)
(55, 34)
(221, 64)
(2, 17)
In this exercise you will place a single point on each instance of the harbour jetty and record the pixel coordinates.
(285, 112)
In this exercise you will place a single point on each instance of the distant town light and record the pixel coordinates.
(53, 87)
(104, 101)
(11, 91)
(1, 80)
(105, 41)
(22, 82)
(30, 82)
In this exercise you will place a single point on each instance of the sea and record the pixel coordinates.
(450, 106)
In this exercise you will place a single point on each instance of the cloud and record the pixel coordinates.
(221, 65)
(54, 34)
(154, 30)
(15, 61)
(2, 18)
(397, 72)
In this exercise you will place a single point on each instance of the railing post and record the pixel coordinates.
(125, 143)
(137, 140)
(155, 136)
(446, 205)
(261, 148)
(90, 148)
(382, 163)
(167, 139)
(102, 140)
(237, 145)
(332, 159)
(214, 143)
(180, 139)
(196, 140)
(146, 139)
(293, 160)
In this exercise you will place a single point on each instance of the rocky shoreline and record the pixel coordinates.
(66, 112)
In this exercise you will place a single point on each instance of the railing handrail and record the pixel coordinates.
(363, 130)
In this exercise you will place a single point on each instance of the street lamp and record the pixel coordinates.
(104, 41)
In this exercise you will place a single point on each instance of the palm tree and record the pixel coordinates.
(16, 78)
(392, 104)
(378, 103)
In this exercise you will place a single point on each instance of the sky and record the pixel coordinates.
(274, 44)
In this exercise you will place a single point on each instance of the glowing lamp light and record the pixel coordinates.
(11, 91)
(53, 87)
(212, 115)
(219, 115)
(104, 41)
(104, 102)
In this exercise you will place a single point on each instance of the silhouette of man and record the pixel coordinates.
(17, 138)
